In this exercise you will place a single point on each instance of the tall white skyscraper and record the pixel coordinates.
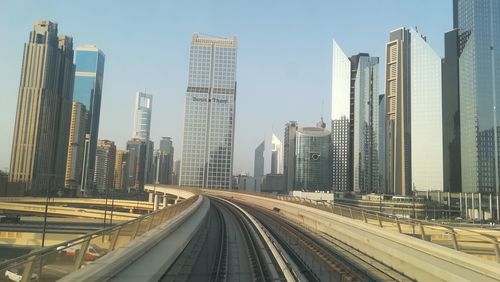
(341, 116)
(276, 155)
(355, 122)
(142, 115)
(208, 144)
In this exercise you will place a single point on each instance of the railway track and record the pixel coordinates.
(335, 261)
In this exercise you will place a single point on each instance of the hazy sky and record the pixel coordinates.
(284, 56)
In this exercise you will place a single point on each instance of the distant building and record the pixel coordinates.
(41, 130)
(163, 163)
(313, 159)
(121, 170)
(289, 155)
(273, 183)
(177, 172)
(76, 146)
(208, 143)
(104, 165)
(414, 134)
(258, 162)
(142, 130)
(136, 164)
(276, 155)
(89, 75)
(247, 183)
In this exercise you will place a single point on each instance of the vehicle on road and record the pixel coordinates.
(16, 275)
(93, 251)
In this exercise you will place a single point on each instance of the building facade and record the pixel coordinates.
(104, 166)
(164, 162)
(142, 115)
(121, 170)
(258, 162)
(313, 154)
(414, 142)
(89, 76)
(381, 142)
(76, 146)
(41, 130)
(208, 144)
(341, 121)
(476, 37)
(276, 155)
(136, 163)
(289, 155)
(355, 120)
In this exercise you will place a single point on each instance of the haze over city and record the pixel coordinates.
(284, 57)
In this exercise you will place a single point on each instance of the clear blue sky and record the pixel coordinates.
(284, 56)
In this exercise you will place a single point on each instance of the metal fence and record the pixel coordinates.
(54, 262)
(480, 242)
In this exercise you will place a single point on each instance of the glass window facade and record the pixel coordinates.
(89, 64)
(478, 24)
(207, 157)
(313, 159)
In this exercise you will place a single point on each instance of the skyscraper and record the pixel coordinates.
(208, 144)
(104, 165)
(341, 120)
(142, 127)
(289, 155)
(164, 162)
(276, 155)
(121, 170)
(76, 146)
(414, 142)
(136, 163)
(142, 115)
(381, 144)
(41, 130)
(88, 91)
(476, 78)
(355, 120)
(258, 162)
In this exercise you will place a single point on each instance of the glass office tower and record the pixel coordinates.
(88, 91)
(478, 30)
(313, 170)
(355, 120)
(414, 136)
(207, 156)
(276, 155)
(341, 116)
(142, 115)
(258, 162)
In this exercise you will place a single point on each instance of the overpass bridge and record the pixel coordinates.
(120, 204)
(223, 235)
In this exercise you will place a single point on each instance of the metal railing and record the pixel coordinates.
(54, 262)
(484, 243)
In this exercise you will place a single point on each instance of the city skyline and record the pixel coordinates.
(292, 65)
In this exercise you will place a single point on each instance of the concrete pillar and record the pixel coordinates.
(466, 209)
(461, 211)
(150, 197)
(480, 207)
(473, 208)
(498, 210)
(156, 200)
(177, 200)
(491, 207)
(165, 200)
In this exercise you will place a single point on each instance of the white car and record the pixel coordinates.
(13, 275)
